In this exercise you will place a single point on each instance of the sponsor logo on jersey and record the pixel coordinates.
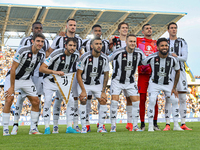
(63, 62)
(157, 63)
(93, 74)
(48, 59)
(28, 59)
(90, 63)
(17, 57)
(128, 68)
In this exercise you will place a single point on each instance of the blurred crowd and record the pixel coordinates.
(193, 99)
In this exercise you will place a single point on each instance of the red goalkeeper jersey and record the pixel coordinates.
(148, 46)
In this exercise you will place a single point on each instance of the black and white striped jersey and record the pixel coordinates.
(180, 48)
(26, 41)
(59, 61)
(161, 68)
(93, 67)
(125, 64)
(87, 46)
(27, 62)
(59, 42)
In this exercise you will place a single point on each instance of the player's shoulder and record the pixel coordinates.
(42, 51)
(85, 41)
(181, 40)
(119, 50)
(153, 55)
(172, 57)
(58, 37)
(138, 50)
(78, 37)
(23, 41)
(76, 53)
(105, 41)
(86, 55)
(57, 52)
(104, 56)
(24, 49)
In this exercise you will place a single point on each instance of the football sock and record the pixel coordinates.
(142, 106)
(129, 114)
(182, 107)
(151, 107)
(88, 108)
(135, 106)
(103, 112)
(34, 119)
(46, 110)
(75, 113)
(83, 115)
(56, 111)
(70, 112)
(5, 121)
(113, 112)
(167, 110)
(18, 108)
(175, 109)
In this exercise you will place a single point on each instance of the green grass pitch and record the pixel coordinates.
(122, 139)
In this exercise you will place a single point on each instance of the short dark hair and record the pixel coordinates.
(35, 35)
(171, 24)
(37, 22)
(119, 26)
(96, 38)
(147, 24)
(71, 19)
(161, 40)
(71, 39)
(96, 25)
(130, 35)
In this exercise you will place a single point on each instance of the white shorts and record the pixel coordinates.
(182, 85)
(75, 87)
(27, 87)
(38, 81)
(101, 82)
(129, 88)
(94, 89)
(154, 88)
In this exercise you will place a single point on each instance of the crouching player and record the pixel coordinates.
(125, 62)
(162, 64)
(59, 62)
(25, 61)
(90, 67)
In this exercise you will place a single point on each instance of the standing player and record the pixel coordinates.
(96, 32)
(148, 46)
(178, 48)
(25, 61)
(59, 62)
(116, 43)
(58, 42)
(162, 64)
(90, 67)
(125, 62)
(36, 77)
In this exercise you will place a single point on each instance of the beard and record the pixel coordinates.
(164, 53)
(97, 51)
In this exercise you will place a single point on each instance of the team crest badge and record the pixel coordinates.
(63, 58)
(124, 55)
(29, 55)
(90, 59)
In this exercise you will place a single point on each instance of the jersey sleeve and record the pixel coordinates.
(107, 67)
(146, 61)
(183, 57)
(55, 44)
(17, 57)
(48, 61)
(177, 66)
(81, 64)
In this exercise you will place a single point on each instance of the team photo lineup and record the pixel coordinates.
(75, 70)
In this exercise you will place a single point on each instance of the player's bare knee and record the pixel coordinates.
(83, 102)
(9, 100)
(35, 102)
(128, 101)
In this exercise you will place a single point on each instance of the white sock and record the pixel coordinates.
(56, 111)
(47, 111)
(5, 121)
(18, 108)
(75, 113)
(151, 109)
(113, 112)
(135, 106)
(88, 108)
(167, 110)
(182, 107)
(175, 110)
(70, 112)
(103, 113)
(129, 114)
(34, 119)
(83, 115)
(99, 111)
